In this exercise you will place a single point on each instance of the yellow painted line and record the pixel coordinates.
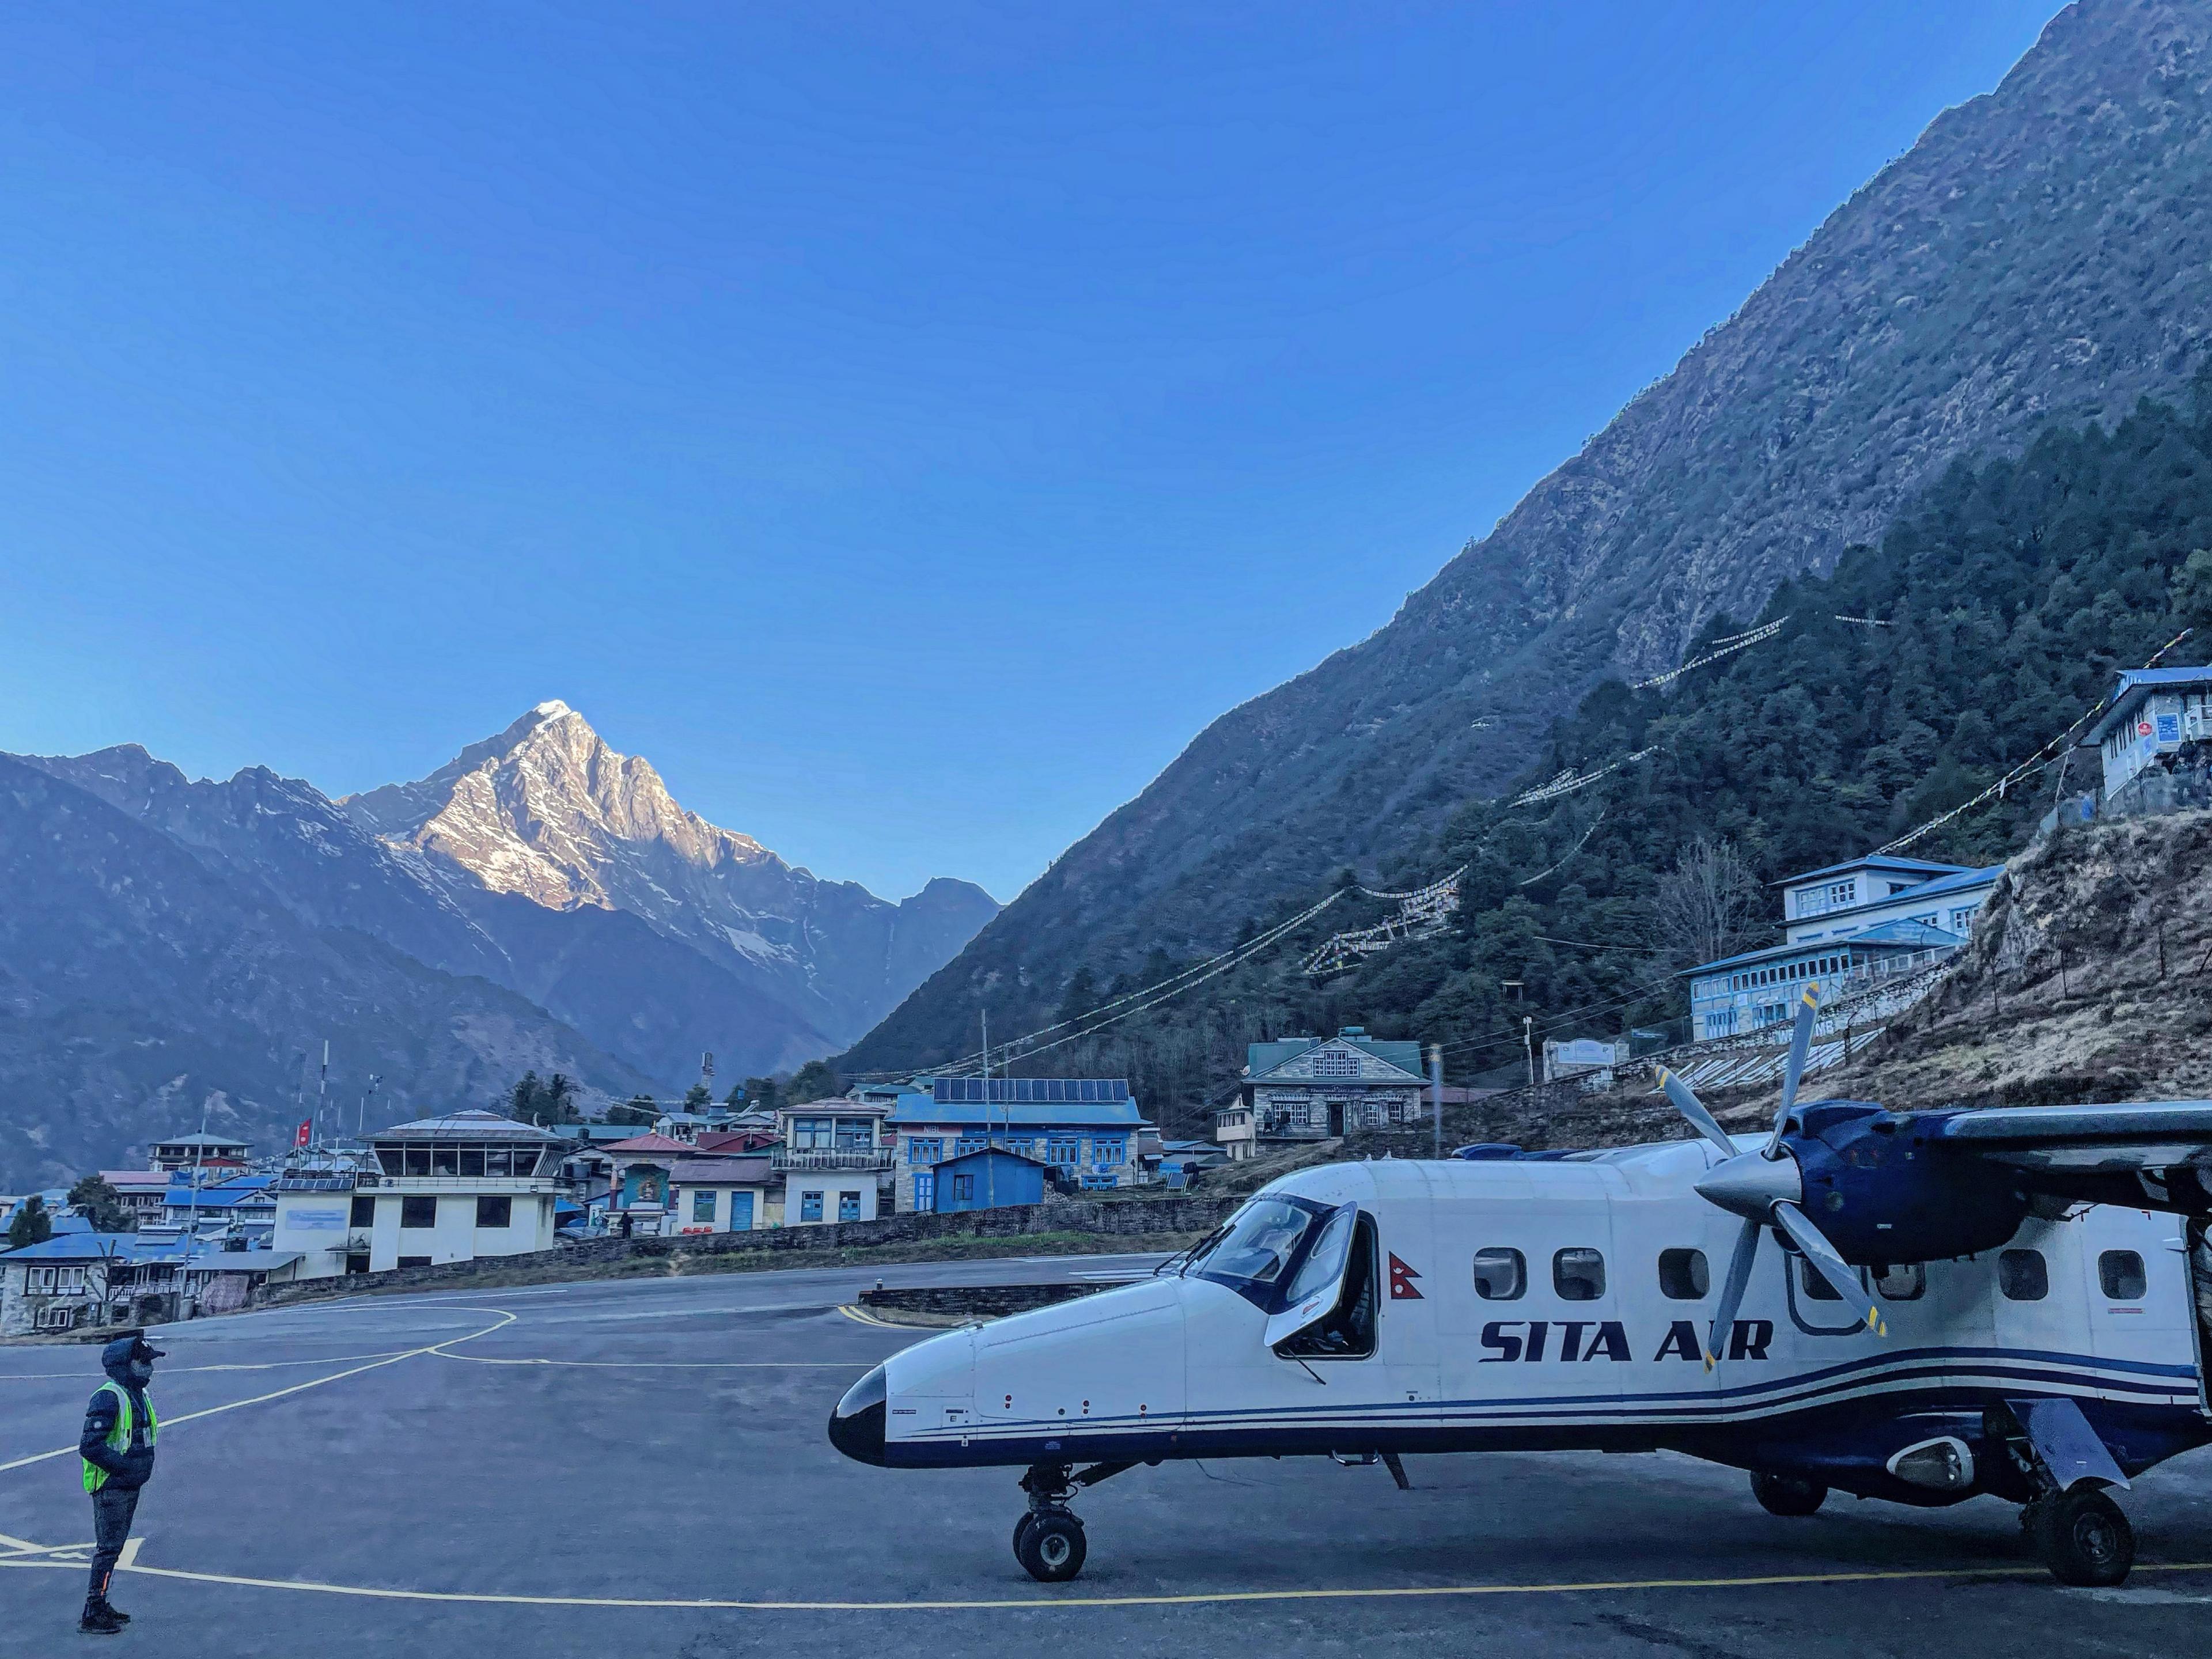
(167, 1423)
(673, 1364)
(862, 1316)
(1199, 1598)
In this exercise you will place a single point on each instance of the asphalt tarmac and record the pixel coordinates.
(571, 1469)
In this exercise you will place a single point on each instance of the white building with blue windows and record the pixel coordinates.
(1847, 926)
(1087, 1130)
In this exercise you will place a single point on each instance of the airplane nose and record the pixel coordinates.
(856, 1427)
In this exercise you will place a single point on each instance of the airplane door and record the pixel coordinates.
(1410, 1286)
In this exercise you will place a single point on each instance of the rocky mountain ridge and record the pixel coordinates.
(2041, 253)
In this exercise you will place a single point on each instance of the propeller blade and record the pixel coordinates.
(1800, 1044)
(1830, 1266)
(1739, 1275)
(1694, 1109)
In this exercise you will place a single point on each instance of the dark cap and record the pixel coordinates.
(142, 1349)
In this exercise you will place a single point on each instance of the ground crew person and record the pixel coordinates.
(118, 1449)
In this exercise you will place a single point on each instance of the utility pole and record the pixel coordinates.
(990, 1123)
(360, 1120)
(1436, 1092)
(322, 1095)
(1528, 1041)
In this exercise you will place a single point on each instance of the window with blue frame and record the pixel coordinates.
(809, 1206)
(1063, 1149)
(849, 1206)
(922, 1151)
(703, 1204)
(1109, 1149)
(925, 1190)
(969, 1144)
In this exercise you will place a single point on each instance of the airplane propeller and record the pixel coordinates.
(1767, 1191)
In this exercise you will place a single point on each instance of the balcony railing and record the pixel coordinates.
(874, 1157)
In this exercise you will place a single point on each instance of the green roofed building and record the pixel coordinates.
(1306, 1088)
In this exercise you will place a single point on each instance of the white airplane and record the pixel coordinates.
(1961, 1303)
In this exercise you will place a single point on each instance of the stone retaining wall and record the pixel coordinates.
(1127, 1217)
(989, 1301)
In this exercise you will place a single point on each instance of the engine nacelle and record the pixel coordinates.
(1883, 1193)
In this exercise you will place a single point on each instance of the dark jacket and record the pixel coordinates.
(129, 1468)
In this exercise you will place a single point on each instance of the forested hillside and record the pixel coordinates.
(2041, 253)
(1992, 614)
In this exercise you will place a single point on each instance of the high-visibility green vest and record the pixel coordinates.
(118, 1437)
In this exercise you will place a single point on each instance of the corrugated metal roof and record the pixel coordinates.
(462, 1126)
(1872, 861)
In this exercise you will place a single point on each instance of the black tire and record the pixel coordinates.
(1788, 1494)
(1021, 1531)
(2083, 1538)
(1052, 1549)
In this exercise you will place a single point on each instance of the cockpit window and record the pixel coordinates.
(1260, 1244)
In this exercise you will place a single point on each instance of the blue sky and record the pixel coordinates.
(909, 426)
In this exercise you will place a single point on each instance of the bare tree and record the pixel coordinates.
(1707, 906)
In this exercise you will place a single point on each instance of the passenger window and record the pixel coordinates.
(1683, 1275)
(1500, 1275)
(1812, 1286)
(2022, 1277)
(1578, 1275)
(1908, 1283)
(2121, 1273)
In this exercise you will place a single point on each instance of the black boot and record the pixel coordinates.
(98, 1619)
(114, 1611)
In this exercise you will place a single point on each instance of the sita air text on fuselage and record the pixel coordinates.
(1956, 1304)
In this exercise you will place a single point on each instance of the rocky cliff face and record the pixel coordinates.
(2043, 253)
(549, 812)
(140, 980)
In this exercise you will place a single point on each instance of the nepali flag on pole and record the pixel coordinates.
(299, 1134)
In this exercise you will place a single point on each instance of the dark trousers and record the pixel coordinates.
(112, 1506)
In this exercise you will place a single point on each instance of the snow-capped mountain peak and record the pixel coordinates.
(549, 810)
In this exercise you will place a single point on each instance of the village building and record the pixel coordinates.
(986, 1179)
(447, 1188)
(834, 1159)
(718, 1195)
(142, 1191)
(2155, 742)
(77, 1279)
(1846, 926)
(1086, 1132)
(1304, 1088)
(214, 1155)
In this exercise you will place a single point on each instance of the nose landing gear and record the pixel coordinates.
(1048, 1538)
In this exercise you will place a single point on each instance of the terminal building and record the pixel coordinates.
(442, 1189)
(1847, 926)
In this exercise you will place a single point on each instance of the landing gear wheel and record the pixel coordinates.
(1021, 1531)
(1787, 1494)
(1051, 1550)
(2083, 1538)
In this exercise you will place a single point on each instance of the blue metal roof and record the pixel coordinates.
(91, 1247)
(1872, 861)
(982, 1152)
(1890, 936)
(2137, 683)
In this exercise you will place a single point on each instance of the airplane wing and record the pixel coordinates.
(2085, 1140)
